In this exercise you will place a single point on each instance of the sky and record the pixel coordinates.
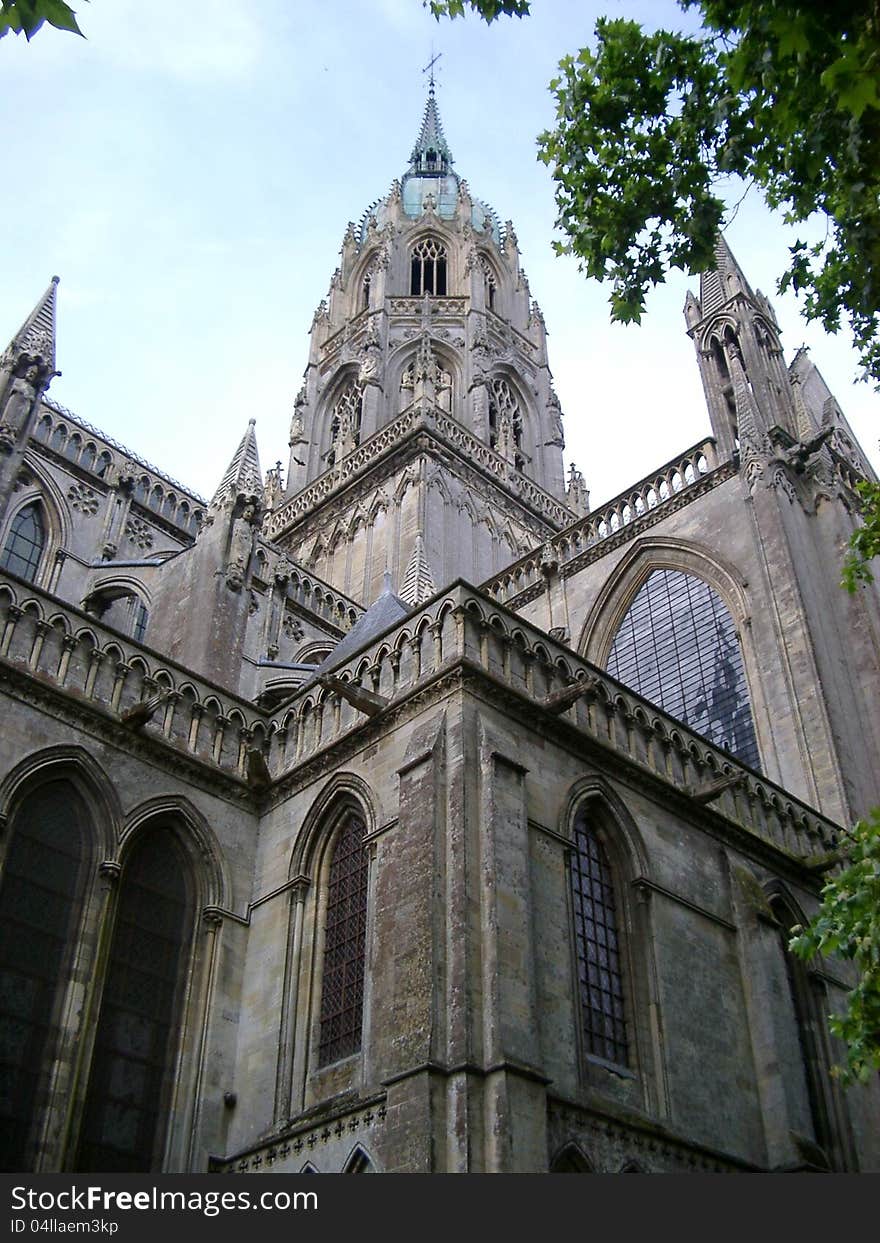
(188, 172)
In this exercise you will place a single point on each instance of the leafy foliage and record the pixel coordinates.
(488, 9)
(27, 16)
(848, 925)
(865, 542)
(784, 94)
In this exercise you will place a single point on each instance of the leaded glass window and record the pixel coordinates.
(678, 647)
(25, 543)
(599, 955)
(139, 1024)
(342, 989)
(40, 883)
(428, 268)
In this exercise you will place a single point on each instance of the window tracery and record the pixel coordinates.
(345, 422)
(428, 268)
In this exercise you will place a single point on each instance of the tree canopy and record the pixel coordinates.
(650, 126)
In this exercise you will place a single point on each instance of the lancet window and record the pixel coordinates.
(598, 949)
(138, 1028)
(428, 268)
(677, 646)
(42, 878)
(345, 929)
(25, 543)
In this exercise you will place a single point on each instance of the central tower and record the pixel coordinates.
(426, 430)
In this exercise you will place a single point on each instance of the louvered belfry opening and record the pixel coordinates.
(342, 990)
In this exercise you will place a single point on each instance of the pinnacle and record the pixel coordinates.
(418, 582)
(36, 336)
(243, 476)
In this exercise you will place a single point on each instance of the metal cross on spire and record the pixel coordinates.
(429, 69)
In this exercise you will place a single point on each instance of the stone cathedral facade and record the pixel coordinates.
(398, 812)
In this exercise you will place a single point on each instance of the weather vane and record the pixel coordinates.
(429, 68)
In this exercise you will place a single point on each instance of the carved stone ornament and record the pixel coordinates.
(139, 533)
(83, 499)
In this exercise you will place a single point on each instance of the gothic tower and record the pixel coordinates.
(426, 425)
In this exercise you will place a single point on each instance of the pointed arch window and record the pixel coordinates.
(139, 1024)
(345, 930)
(597, 943)
(428, 268)
(506, 421)
(345, 423)
(41, 881)
(677, 646)
(25, 543)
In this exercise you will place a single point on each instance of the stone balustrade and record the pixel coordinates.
(462, 626)
(653, 492)
(95, 665)
(285, 516)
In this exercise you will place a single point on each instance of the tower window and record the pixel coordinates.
(600, 974)
(428, 268)
(678, 647)
(25, 543)
(342, 990)
(365, 293)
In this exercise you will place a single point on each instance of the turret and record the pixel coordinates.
(206, 585)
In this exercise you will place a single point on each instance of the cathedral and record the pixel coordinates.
(397, 811)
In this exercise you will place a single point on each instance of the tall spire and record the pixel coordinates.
(34, 343)
(243, 476)
(431, 156)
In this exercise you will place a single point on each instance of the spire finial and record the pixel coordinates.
(429, 69)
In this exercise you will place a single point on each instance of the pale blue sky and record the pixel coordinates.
(188, 171)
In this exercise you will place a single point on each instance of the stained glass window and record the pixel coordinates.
(137, 1034)
(600, 978)
(678, 647)
(25, 543)
(41, 879)
(342, 989)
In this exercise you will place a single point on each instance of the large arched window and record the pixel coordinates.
(428, 269)
(345, 930)
(597, 945)
(25, 543)
(138, 1029)
(41, 881)
(677, 646)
